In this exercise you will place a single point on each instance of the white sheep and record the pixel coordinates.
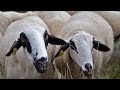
(90, 40)
(54, 19)
(25, 62)
(6, 18)
(113, 18)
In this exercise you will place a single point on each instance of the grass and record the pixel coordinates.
(2, 72)
(112, 69)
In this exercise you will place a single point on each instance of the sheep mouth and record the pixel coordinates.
(41, 66)
(88, 73)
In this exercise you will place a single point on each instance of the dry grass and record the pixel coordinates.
(112, 69)
(2, 72)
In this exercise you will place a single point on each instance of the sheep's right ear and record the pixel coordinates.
(22, 41)
(64, 47)
(16, 45)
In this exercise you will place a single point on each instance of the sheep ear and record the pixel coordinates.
(52, 39)
(62, 49)
(16, 45)
(55, 41)
(22, 41)
(99, 46)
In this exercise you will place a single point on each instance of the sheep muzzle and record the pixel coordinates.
(89, 71)
(41, 65)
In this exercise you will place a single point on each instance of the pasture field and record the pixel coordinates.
(112, 69)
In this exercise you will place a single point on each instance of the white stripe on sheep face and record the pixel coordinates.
(38, 48)
(36, 39)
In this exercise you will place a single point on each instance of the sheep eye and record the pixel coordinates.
(36, 53)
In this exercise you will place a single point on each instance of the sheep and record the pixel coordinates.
(90, 39)
(54, 19)
(31, 60)
(6, 18)
(112, 17)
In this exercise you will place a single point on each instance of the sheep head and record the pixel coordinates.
(36, 43)
(81, 46)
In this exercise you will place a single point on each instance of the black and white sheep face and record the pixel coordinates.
(38, 49)
(36, 41)
(84, 44)
(81, 46)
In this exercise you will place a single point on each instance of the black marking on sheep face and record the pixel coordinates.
(41, 65)
(73, 46)
(46, 38)
(25, 42)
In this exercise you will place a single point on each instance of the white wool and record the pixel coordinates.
(6, 18)
(96, 26)
(54, 19)
(22, 66)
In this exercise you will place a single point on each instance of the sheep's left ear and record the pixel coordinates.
(99, 46)
(55, 41)
(52, 39)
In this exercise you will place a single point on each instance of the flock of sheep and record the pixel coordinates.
(56, 44)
